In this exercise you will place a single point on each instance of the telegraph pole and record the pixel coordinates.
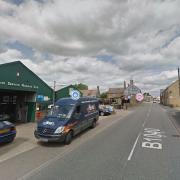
(179, 80)
(54, 90)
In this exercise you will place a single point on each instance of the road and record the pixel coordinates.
(144, 145)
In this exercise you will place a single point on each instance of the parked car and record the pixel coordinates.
(7, 129)
(111, 108)
(68, 118)
(105, 110)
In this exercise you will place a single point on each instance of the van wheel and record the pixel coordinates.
(102, 113)
(11, 140)
(68, 138)
(93, 124)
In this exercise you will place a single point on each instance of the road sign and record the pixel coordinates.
(139, 97)
(75, 95)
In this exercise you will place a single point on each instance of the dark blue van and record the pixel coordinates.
(67, 118)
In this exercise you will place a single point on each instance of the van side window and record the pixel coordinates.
(78, 109)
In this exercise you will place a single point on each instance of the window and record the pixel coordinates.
(78, 109)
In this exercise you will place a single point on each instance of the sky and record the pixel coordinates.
(96, 42)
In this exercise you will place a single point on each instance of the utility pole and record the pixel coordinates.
(179, 80)
(54, 90)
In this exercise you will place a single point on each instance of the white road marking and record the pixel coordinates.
(144, 124)
(147, 116)
(133, 148)
(152, 138)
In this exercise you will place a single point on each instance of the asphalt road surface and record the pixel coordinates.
(144, 145)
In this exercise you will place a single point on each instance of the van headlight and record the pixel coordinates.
(59, 130)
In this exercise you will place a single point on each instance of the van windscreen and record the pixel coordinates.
(62, 112)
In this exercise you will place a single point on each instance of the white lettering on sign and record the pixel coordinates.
(35, 87)
(26, 85)
(19, 85)
(13, 84)
(152, 138)
(2, 83)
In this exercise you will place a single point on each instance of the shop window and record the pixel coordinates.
(5, 99)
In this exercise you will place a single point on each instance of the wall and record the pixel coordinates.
(170, 96)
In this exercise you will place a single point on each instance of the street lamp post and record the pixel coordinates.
(54, 87)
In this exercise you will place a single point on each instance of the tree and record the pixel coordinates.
(146, 94)
(103, 95)
(81, 86)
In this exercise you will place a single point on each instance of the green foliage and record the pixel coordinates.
(81, 86)
(146, 94)
(103, 95)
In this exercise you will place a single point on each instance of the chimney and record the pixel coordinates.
(98, 92)
(124, 84)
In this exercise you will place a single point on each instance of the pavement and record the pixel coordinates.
(174, 115)
(177, 108)
(25, 140)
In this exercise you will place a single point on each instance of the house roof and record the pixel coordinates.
(22, 78)
(14, 63)
(116, 90)
(92, 92)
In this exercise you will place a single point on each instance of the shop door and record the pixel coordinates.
(31, 111)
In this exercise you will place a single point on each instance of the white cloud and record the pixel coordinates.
(10, 55)
(141, 37)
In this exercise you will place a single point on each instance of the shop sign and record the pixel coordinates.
(22, 85)
(2, 83)
(46, 98)
(40, 97)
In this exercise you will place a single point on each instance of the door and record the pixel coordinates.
(91, 113)
(88, 115)
(76, 119)
(31, 106)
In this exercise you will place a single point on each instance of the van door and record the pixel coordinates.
(76, 118)
(92, 113)
(88, 117)
(84, 119)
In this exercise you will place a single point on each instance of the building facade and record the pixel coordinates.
(91, 92)
(65, 92)
(131, 89)
(115, 93)
(20, 91)
(148, 97)
(170, 96)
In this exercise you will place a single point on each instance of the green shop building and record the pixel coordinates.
(21, 91)
(65, 92)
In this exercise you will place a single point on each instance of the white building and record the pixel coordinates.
(131, 89)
